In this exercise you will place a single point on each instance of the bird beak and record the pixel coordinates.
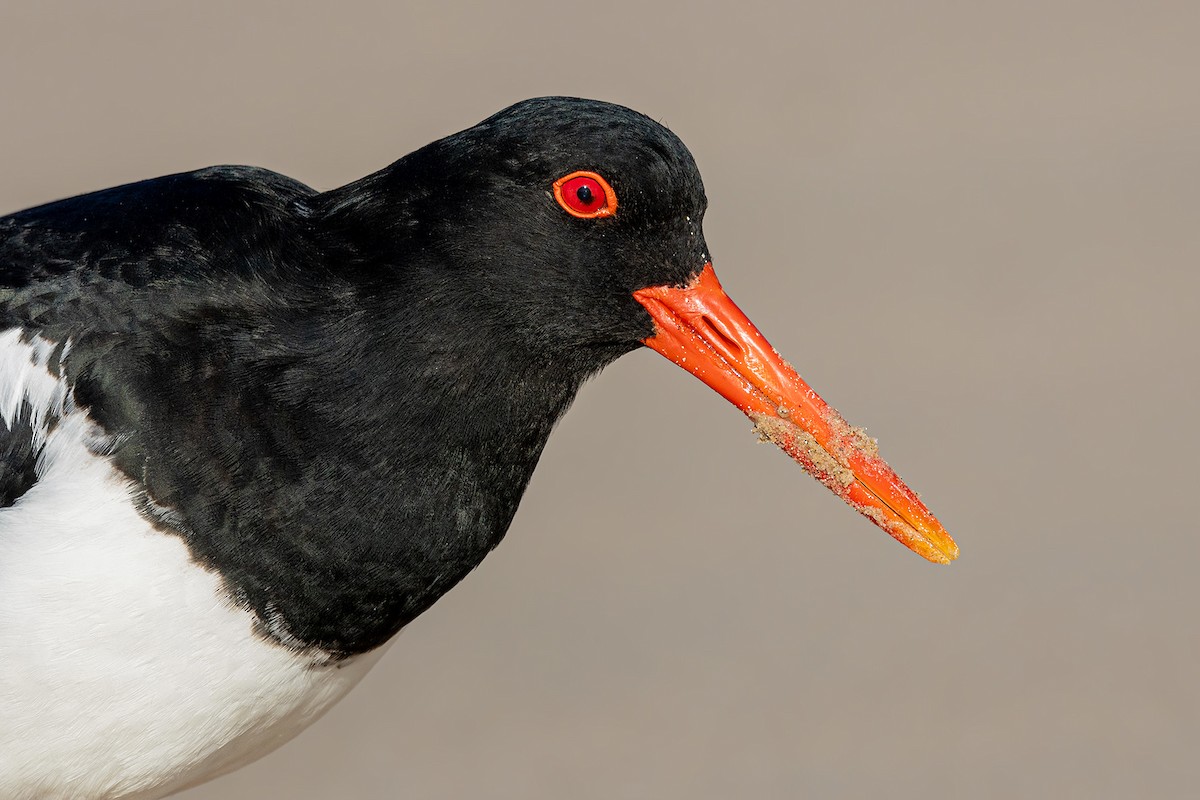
(701, 330)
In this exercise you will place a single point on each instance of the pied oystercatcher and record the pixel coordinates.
(248, 431)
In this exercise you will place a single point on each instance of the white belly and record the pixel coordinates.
(125, 671)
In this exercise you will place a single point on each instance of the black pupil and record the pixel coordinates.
(584, 193)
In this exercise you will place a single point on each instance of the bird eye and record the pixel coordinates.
(585, 195)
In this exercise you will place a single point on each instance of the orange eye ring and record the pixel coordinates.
(585, 195)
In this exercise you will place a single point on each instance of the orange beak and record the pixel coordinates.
(701, 330)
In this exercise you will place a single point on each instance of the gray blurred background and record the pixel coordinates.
(974, 228)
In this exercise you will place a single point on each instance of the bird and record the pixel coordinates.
(250, 430)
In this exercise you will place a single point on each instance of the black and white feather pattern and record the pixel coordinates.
(249, 431)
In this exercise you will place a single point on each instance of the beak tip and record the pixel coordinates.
(942, 550)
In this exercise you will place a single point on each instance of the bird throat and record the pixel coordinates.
(337, 505)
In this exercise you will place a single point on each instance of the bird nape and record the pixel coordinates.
(250, 430)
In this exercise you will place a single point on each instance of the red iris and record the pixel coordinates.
(582, 194)
(586, 195)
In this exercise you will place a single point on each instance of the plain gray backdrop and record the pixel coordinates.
(973, 227)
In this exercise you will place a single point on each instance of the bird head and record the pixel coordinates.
(572, 229)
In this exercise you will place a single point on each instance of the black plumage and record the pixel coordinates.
(19, 451)
(337, 399)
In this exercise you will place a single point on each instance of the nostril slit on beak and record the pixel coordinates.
(716, 335)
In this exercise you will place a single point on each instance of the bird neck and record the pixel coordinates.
(395, 433)
(441, 449)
